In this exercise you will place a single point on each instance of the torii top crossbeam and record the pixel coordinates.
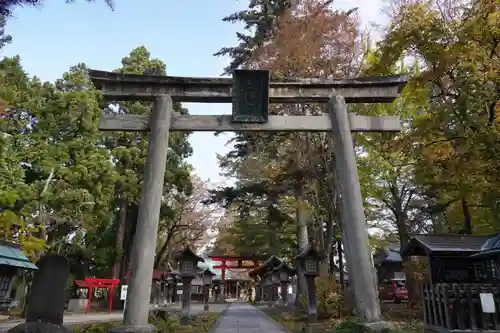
(119, 87)
(250, 92)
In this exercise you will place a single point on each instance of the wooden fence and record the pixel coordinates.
(458, 307)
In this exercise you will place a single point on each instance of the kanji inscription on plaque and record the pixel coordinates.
(250, 96)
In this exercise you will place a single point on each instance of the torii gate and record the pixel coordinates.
(242, 262)
(250, 92)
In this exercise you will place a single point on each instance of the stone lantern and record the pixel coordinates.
(216, 290)
(309, 261)
(284, 272)
(170, 287)
(207, 277)
(188, 267)
(188, 262)
(268, 285)
(275, 280)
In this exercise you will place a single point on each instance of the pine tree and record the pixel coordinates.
(261, 17)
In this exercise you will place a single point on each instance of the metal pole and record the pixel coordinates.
(361, 271)
(143, 251)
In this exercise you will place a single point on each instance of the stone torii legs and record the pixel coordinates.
(143, 250)
(361, 271)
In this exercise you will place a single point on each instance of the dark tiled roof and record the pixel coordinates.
(271, 262)
(431, 243)
(491, 247)
(388, 253)
(492, 243)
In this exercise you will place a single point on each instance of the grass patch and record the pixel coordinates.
(93, 327)
(405, 319)
(296, 322)
(201, 323)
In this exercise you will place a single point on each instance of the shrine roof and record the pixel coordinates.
(490, 248)
(449, 244)
(12, 255)
(388, 253)
(270, 263)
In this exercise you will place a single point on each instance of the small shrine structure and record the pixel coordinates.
(463, 294)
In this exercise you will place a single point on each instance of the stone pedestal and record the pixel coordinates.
(77, 304)
(258, 293)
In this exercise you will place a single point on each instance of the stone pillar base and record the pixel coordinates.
(77, 304)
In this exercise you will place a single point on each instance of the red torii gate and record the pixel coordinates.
(91, 283)
(255, 259)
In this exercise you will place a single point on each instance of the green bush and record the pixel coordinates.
(94, 328)
(329, 300)
(170, 323)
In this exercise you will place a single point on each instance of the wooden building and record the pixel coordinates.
(464, 290)
(12, 261)
(388, 262)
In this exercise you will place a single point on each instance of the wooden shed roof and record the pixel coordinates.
(439, 244)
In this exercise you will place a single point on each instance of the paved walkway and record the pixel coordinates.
(245, 318)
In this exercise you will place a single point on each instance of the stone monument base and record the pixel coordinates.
(77, 304)
(39, 327)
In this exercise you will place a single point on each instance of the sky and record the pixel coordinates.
(184, 34)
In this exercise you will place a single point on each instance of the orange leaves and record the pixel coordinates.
(311, 40)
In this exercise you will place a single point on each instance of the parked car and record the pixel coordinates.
(394, 290)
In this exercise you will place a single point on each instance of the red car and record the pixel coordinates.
(394, 289)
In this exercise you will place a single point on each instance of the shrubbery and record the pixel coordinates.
(95, 327)
(330, 300)
(165, 324)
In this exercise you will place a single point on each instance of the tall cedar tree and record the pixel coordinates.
(308, 40)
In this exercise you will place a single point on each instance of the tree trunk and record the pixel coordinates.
(131, 224)
(303, 241)
(467, 217)
(161, 253)
(121, 224)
